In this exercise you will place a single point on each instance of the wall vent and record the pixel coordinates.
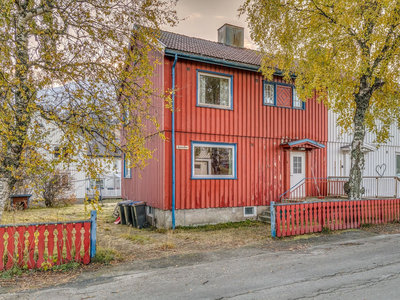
(250, 211)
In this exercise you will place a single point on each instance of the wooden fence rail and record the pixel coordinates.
(309, 217)
(47, 244)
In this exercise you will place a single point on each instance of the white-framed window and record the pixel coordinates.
(213, 160)
(56, 152)
(250, 211)
(150, 211)
(297, 103)
(398, 165)
(98, 183)
(127, 168)
(269, 93)
(214, 90)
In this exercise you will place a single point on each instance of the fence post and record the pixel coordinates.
(273, 219)
(93, 233)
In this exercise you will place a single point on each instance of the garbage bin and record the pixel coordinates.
(122, 210)
(128, 214)
(138, 211)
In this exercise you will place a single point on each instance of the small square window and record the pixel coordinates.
(213, 161)
(150, 211)
(214, 90)
(250, 211)
(269, 93)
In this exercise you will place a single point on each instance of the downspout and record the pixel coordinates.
(173, 141)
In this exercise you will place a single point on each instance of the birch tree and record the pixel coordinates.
(62, 64)
(347, 52)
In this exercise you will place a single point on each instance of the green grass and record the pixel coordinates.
(326, 230)
(13, 272)
(106, 256)
(17, 271)
(366, 225)
(242, 224)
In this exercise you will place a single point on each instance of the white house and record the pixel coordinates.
(382, 164)
(108, 183)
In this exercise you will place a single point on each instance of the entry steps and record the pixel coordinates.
(265, 216)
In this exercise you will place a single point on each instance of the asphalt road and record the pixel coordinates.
(339, 268)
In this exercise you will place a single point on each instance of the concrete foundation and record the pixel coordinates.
(197, 217)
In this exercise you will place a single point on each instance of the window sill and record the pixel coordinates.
(213, 178)
(272, 105)
(214, 106)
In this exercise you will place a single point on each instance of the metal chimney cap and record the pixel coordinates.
(231, 35)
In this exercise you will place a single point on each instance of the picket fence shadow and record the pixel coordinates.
(308, 217)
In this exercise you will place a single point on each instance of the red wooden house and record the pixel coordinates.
(235, 141)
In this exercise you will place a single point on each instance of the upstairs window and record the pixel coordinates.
(281, 95)
(269, 93)
(213, 161)
(214, 90)
(297, 103)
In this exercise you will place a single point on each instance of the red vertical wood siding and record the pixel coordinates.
(258, 131)
(148, 184)
(249, 117)
(260, 169)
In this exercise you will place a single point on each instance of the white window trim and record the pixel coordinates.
(227, 76)
(273, 97)
(148, 211)
(251, 215)
(214, 145)
(298, 100)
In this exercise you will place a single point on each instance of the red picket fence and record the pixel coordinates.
(39, 245)
(308, 217)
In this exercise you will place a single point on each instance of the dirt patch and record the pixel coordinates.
(132, 244)
(389, 228)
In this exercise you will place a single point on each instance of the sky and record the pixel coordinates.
(204, 17)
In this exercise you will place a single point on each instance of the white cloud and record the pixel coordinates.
(249, 44)
(194, 16)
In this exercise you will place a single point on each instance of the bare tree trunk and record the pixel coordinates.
(23, 95)
(353, 186)
(4, 195)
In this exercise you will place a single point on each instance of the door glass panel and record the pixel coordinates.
(297, 165)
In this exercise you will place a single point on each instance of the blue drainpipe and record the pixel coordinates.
(173, 141)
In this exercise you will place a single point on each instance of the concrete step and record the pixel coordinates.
(265, 219)
(266, 212)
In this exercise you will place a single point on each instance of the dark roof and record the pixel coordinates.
(97, 149)
(211, 49)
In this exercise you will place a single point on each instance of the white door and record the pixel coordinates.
(297, 172)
